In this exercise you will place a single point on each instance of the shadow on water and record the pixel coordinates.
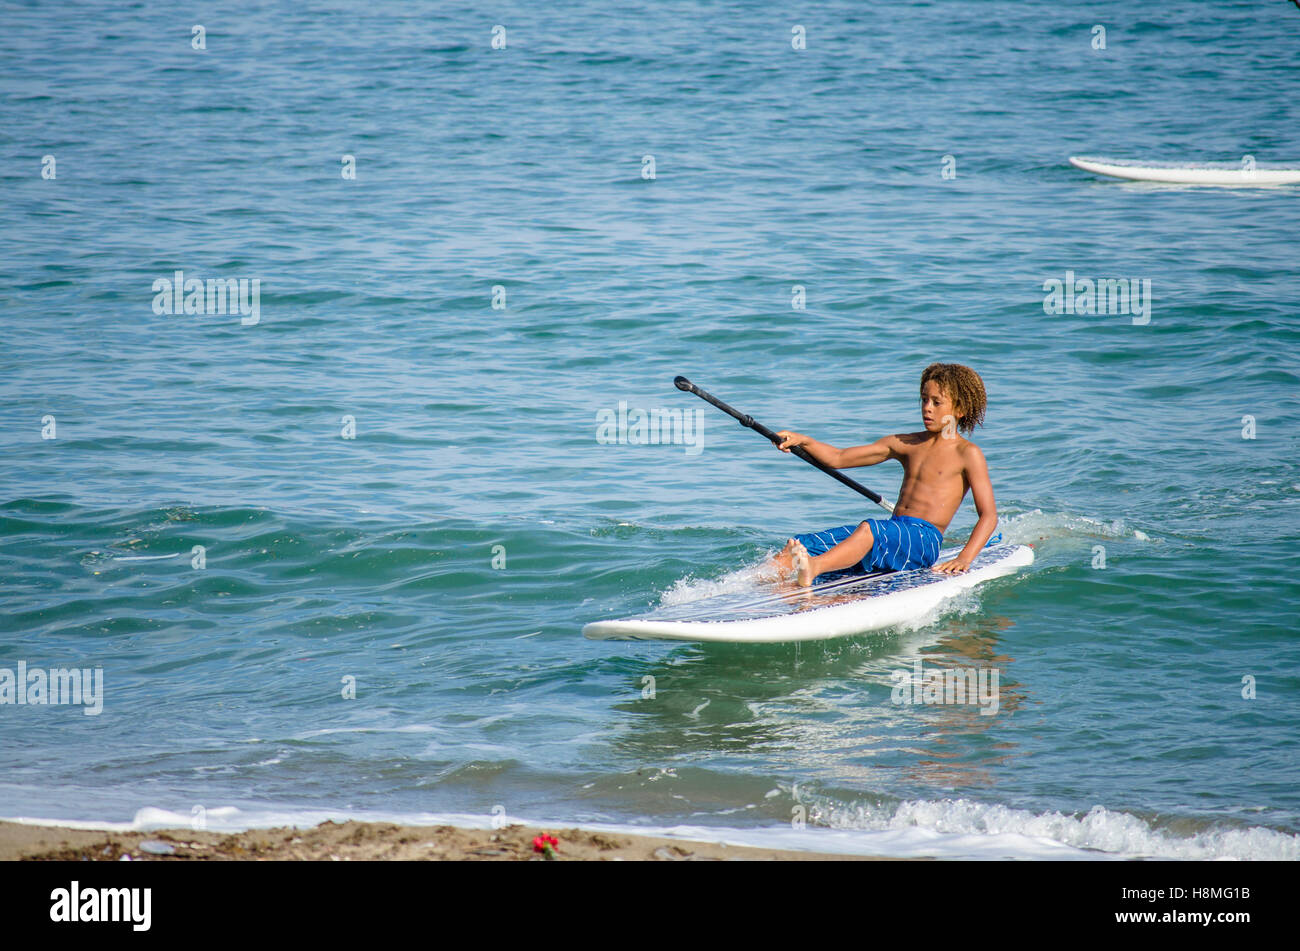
(840, 710)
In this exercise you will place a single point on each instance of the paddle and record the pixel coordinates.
(749, 422)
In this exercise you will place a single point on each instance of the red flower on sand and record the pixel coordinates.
(546, 844)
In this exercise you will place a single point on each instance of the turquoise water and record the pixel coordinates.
(447, 556)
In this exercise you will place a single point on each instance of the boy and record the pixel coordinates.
(938, 467)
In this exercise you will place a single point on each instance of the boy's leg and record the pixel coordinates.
(844, 555)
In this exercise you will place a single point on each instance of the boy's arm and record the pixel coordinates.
(981, 490)
(877, 452)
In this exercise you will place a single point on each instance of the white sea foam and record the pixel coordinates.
(1099, 833)
(1036, 525)
(740, 581)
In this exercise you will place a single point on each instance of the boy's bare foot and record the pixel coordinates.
(785, 558)
(802, 564)
(780, 566)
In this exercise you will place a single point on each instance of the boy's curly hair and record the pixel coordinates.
(964, 387)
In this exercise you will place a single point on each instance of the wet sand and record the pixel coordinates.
(370, 841)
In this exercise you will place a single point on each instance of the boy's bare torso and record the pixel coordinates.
(934, 475)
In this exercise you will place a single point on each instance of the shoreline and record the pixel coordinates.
(377, 841)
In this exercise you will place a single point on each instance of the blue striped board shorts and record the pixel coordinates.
(902, 542)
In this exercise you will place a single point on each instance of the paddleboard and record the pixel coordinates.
(852, 605)
(1206, 173)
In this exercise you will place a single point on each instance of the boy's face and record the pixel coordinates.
(935, 405)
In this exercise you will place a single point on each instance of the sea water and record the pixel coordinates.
(330, 537)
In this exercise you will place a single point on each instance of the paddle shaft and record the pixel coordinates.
(750, 423)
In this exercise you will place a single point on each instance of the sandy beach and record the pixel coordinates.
(366, 841)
